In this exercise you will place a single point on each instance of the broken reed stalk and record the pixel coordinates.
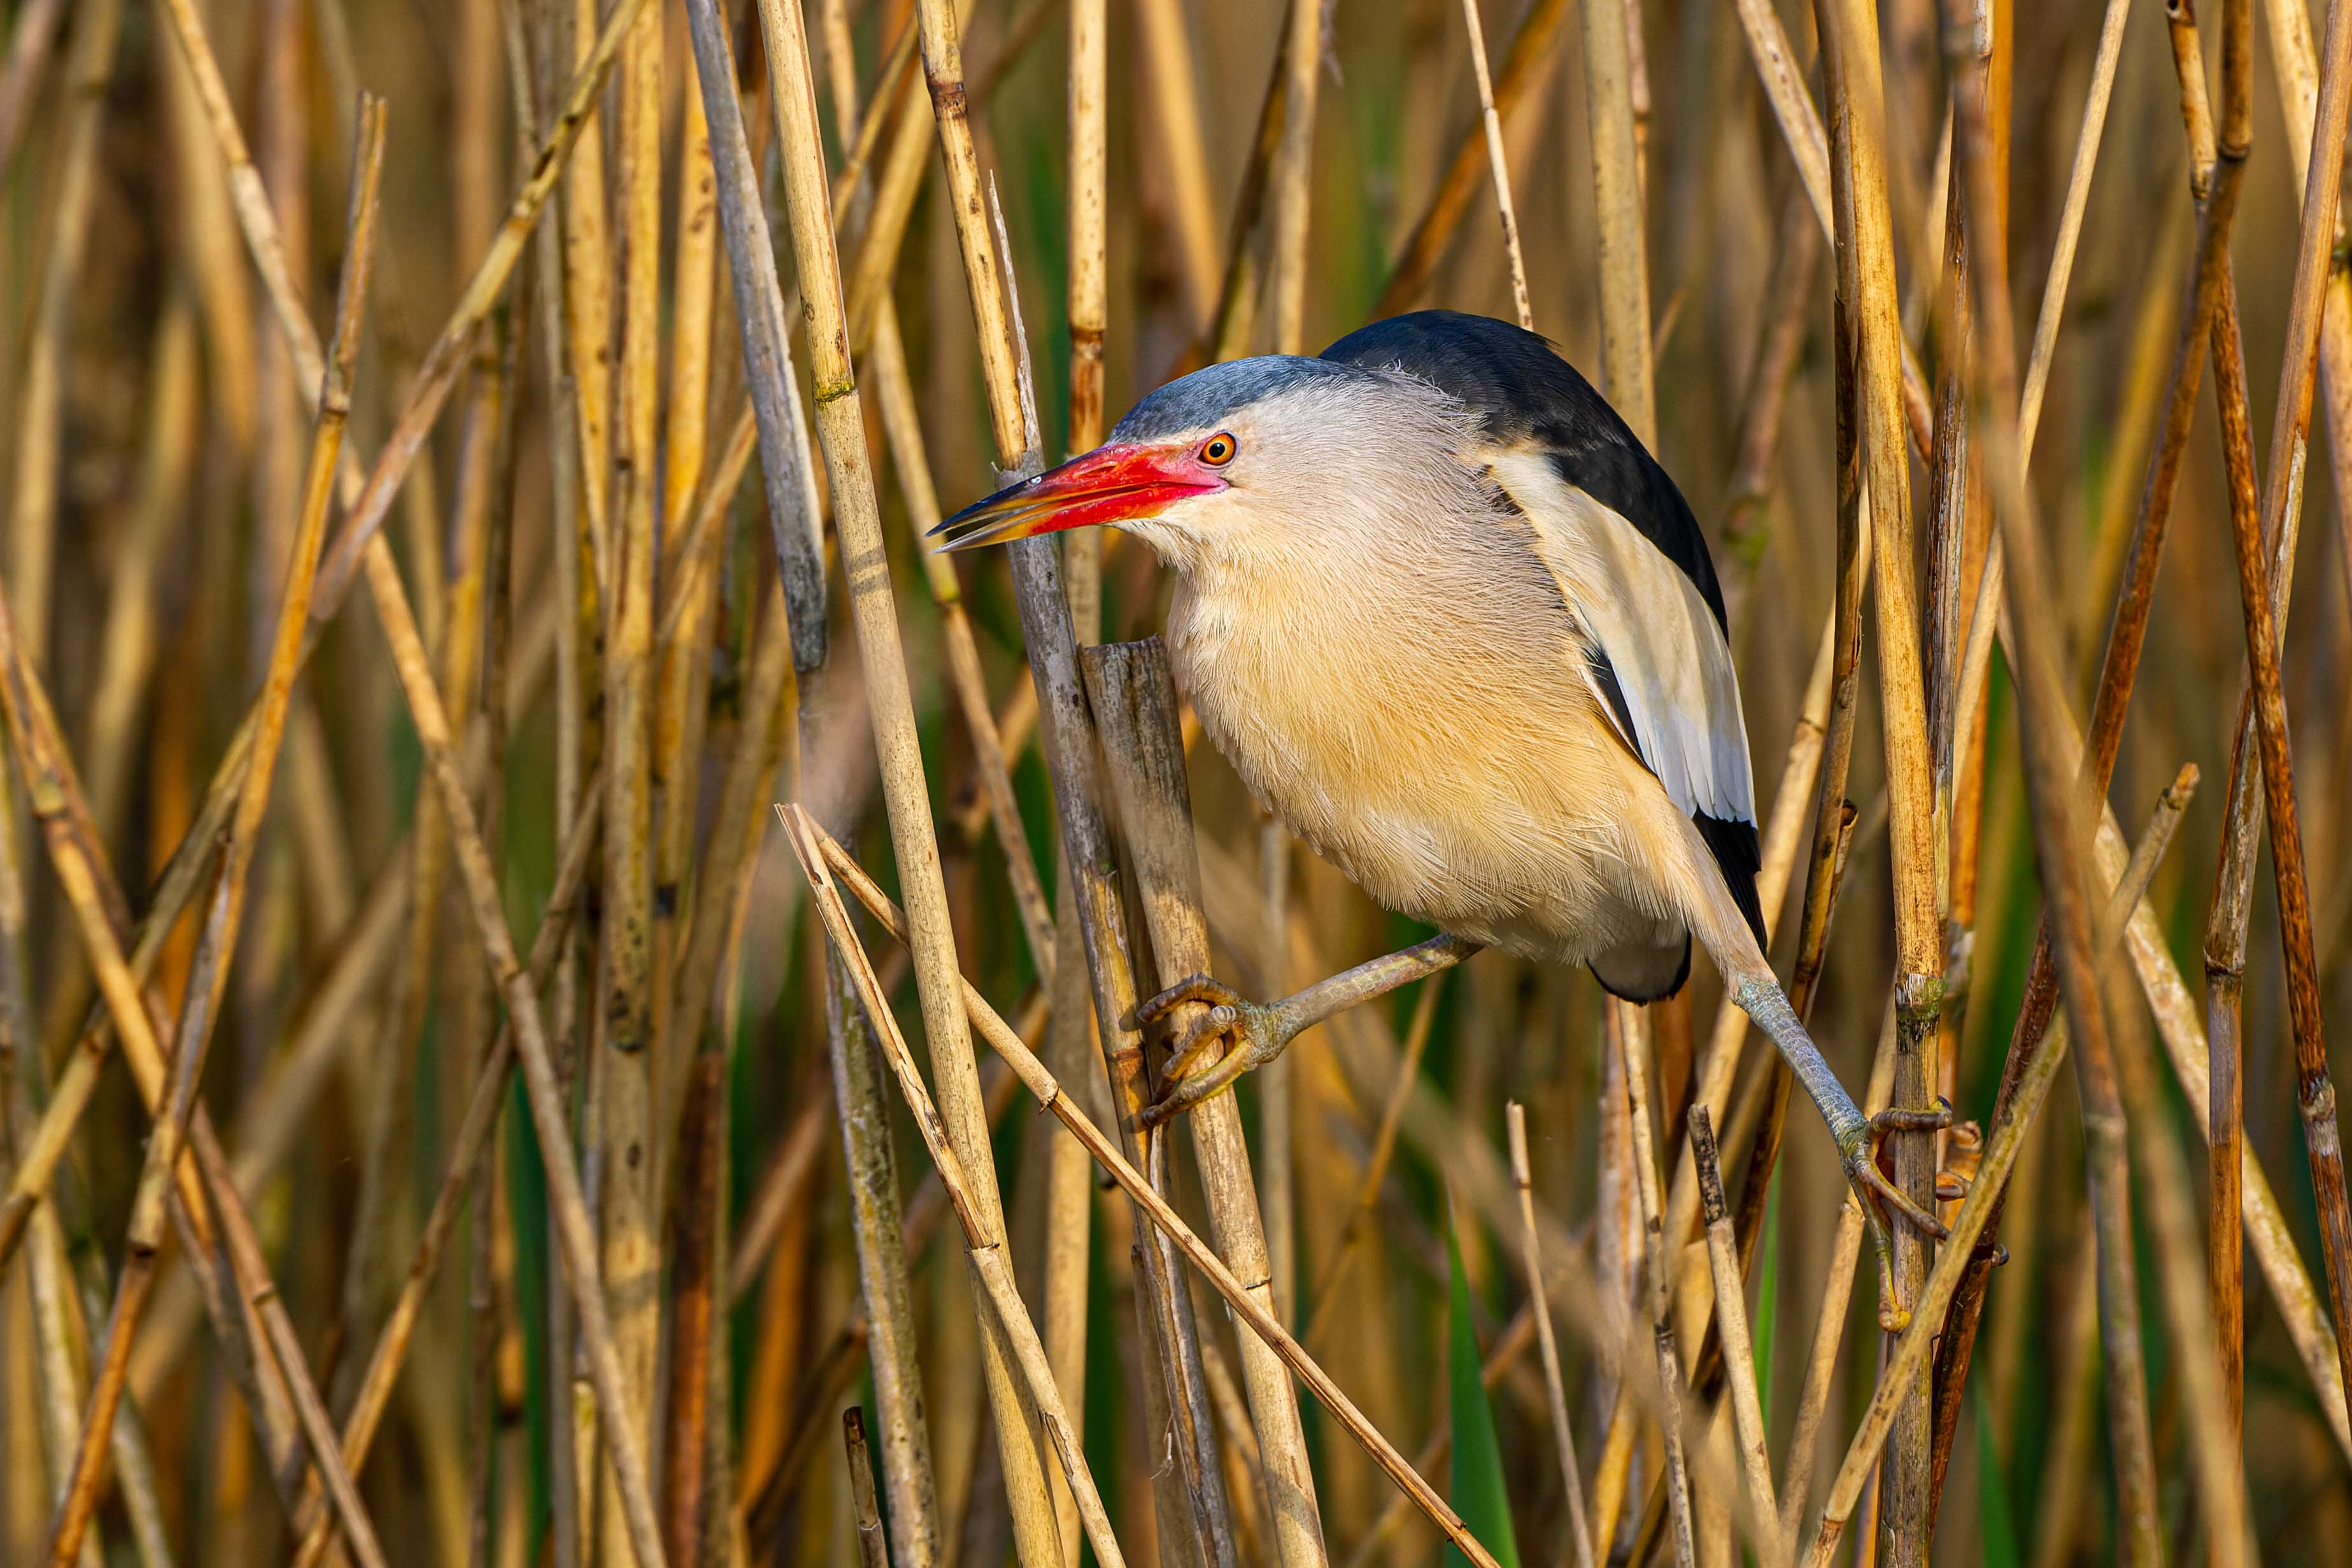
(1563, 1434)
(856, 518)
(1133, 690)
(2263, 594)
(1731, 1323)
(1244, 1307)
(873, 1550)
(988, 1257)
(1498, 163)
(1628, 1019)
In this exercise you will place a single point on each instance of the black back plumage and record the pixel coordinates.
(1526, 395)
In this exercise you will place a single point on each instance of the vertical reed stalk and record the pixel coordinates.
(625, 1138)
(1628, 1020)
(1292, 177)
(1731, 1319)
(1618, 210)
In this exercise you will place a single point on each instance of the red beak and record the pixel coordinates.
(1112, 483)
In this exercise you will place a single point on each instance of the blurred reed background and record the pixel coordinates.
(368, 1290)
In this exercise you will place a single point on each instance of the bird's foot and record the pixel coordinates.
(1233, 1037)
(1858, 1152)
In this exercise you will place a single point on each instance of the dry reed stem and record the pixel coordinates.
(200, 1009)
(787, 467)
(1291, 179)
(1801, 130)
(902, 424)
(987, 1258)
(2296, 70)
(1245, 1307)
(1731, 1323)
(1563, 1434)
(1618, 214)
(2200, 321)
(862, 1101)
(622, 1140)
(573, 1228)
(1133, 690)
(858, 520)
(28, 50)
(1089, 135)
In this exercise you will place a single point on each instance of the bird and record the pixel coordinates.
(1458, 631)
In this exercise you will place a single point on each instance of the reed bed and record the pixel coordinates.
(621, 1050)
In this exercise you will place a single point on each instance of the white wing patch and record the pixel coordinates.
(1672, 666)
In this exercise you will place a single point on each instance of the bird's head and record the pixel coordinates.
(1220, 456)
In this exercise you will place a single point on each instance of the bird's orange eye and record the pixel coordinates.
(1218, 450)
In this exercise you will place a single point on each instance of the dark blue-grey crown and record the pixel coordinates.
(1208, 397)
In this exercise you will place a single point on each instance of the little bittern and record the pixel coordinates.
(1459, 631)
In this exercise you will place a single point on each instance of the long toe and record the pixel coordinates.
(1901, 1119)
(1190, 988)
(1201, 1039)
(1202, 1082)
(1863, 1170)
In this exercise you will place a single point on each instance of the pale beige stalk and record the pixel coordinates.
(1623, 260)
(1292, 173)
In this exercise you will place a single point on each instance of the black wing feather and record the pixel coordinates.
(1525, 395)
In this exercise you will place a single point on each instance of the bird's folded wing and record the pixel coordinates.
(1664, 667)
